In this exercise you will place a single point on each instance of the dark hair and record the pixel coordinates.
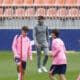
(56, 32)
(25, 28)
(41, 18)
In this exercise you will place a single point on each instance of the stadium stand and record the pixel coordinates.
(49, 2)
(51, 12)
(29, 12)
(62, 12)
(78, 2)
(38, 2)
(7, 2)
(1, 2)
(28, 2)
(40, 12)
(59, 2)
(19, 12)
(8, 12)
(70, 2)
(18, 2)
(1, 12)
(73, 12)
(42, 7)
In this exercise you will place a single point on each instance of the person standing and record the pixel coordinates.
(21, 43)
(59, 61)
(41, 40)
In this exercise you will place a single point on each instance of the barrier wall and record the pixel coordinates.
(71, 37)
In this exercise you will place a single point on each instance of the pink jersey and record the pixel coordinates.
(58, 52)
(26, 47)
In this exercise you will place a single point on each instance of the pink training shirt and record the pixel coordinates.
(58, 52)
(26, 47)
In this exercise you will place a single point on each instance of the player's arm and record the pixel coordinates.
(14, 47)
(65, 49)
(47, 35)
(30, 50)
(56, 49)
(34, 36)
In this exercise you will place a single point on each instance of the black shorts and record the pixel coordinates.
(23, 63)
(58, 69)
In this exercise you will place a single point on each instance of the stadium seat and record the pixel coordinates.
(38, 2)
(18, 2)
(7, 2)
(19, 12)
(1, 2)
(30, 12)
(70, 2)
(73, 12)
(51, 12)
(78, 2)
(28, 2)
(62, 12)
(1, 12)
(40, 12)
(59, 2)
(49, 2)
(8, 12)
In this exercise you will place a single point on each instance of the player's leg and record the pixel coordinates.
(52, 72)
(18, 68)
(46, 51)
(17, 61)
(18, 71)
(62, 71)
(39, 59)
(62, 77)
(78, 78)
(23, 69)
(52, 77)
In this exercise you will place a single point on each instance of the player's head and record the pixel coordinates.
(40, 20)
(55, 33)
(25, 30)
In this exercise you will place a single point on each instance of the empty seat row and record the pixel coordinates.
(57, 2)
(39, 2)
(30, 12)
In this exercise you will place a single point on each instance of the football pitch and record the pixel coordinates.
(8, 67)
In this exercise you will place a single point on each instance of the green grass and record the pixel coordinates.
(8, 67)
